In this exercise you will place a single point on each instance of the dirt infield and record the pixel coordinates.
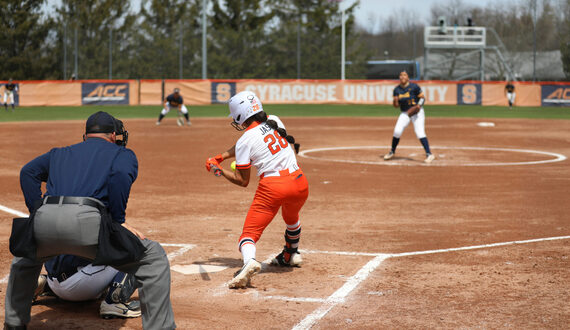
(386, 244)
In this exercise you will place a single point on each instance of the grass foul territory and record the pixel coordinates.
(287, 110)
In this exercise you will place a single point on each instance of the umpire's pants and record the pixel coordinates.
(74, 229)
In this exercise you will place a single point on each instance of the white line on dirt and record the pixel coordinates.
(340, 295)
(483, 246)
(5, 279)
(342, 253)
(296, 299)
(183, 249)
(12, 211)
(440, 162)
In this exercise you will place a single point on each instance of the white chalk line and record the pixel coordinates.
(14, 212)
(183, 249)
(352, 283)
(438, 162)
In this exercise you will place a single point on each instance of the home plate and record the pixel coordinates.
(197, 269)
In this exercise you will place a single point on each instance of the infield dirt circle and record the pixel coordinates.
(401, 246)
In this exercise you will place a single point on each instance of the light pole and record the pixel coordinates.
(342, 38)
(111, 54)
(533, 4)
(342, 46)
(204, 51)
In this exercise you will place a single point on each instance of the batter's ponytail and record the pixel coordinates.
(283, 133)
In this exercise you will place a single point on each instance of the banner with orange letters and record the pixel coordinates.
(288, 91)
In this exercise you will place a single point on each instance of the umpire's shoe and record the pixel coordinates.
(242, 278)
(120, 310)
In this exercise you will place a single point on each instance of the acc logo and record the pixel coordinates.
(105, 93)
(555, 95)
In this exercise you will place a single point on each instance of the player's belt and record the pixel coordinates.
(74, 200)
(285, 172)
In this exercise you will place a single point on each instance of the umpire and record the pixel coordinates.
(83, 213)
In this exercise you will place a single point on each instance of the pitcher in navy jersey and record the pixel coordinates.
(410, 98)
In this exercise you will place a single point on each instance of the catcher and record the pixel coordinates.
(175, 100)
(265, 144)
(74, 278)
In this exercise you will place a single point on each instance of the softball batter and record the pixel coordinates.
(410, 98)
(265, 145)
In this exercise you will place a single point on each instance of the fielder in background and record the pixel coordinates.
(9, 89)
(83, 213)
(510, 92)
(410, 98)
(176, 101)
(266, 145)
(74, 278)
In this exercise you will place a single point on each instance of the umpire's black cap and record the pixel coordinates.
(100, 122)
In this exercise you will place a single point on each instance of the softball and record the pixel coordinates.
(233, 166)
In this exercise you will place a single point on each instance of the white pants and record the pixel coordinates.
(511, 97)
(167, 108)
(87, 284)
(9, 95)
(419, 121)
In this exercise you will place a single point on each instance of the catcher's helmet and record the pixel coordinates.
(244, 105)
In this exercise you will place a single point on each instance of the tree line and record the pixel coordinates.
(98, 39)
(270, 39)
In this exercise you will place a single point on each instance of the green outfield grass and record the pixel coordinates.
(286, 110)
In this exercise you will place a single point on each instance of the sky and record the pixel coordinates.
(370, 13)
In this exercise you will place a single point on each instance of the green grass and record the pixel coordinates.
(286, 110)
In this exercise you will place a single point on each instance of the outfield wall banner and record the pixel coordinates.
(222, 91)
(192, 91)
(341, 92)
(555, 95)
(469, 94)
(50, 93)
(104, 93)
(204, 92)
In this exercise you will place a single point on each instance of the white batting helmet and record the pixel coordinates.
(244, 105)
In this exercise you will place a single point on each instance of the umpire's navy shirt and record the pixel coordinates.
(94, 168)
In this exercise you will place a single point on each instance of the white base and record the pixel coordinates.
(197, 269)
